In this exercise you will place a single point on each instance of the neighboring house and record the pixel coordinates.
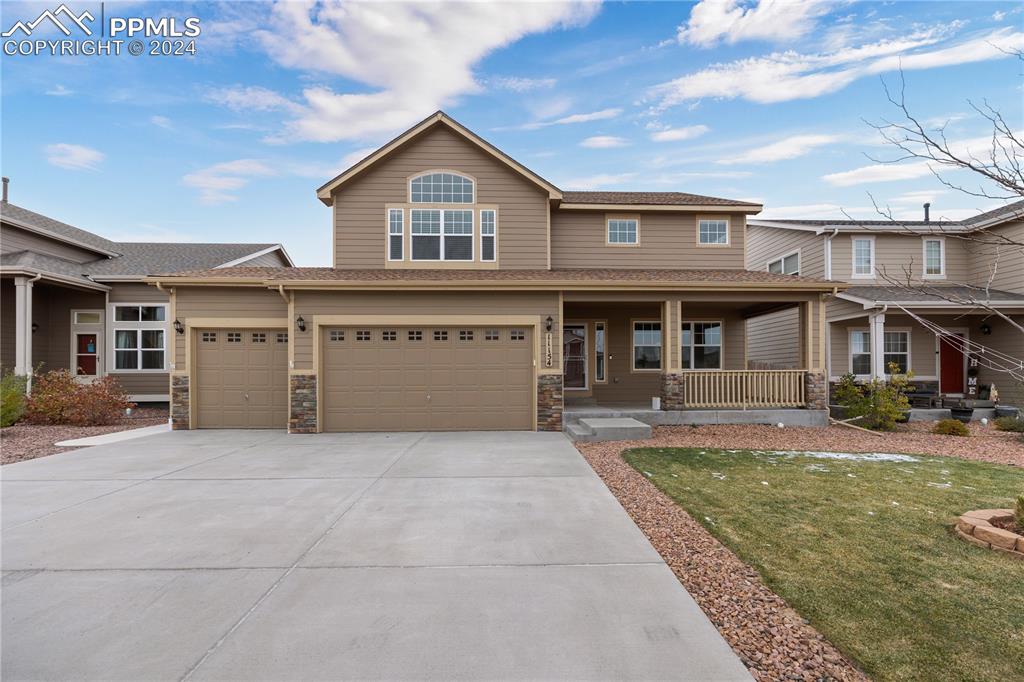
(468, 292)
(911, 285)
(70, 299)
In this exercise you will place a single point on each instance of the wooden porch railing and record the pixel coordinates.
(744, 389)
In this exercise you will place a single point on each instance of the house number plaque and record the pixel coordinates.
(548, 354)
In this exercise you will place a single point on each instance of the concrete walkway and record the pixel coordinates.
(260, 556)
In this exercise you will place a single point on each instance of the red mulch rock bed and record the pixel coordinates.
(28, 441)
(771, 639)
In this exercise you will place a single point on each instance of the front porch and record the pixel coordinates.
(683, 359)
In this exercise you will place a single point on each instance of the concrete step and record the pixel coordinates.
(594, 429)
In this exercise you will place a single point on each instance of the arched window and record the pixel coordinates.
(441, 188)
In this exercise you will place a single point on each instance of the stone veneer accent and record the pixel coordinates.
(179, 402)
(976, 528)
(672, 391)
(302, 410)
(549, 402)
(816, 391)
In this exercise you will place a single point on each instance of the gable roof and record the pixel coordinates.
(139, 259)
(40, 224)
(325, 192)
(1013, 211)
(572, 199)
(937, 296)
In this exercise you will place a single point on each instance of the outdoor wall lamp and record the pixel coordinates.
(548, 323)
(986, 328)
(300, 323)
(179, 327)
(35, 327)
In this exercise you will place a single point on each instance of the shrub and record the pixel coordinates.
(1015, 424)
(58, 398)
(879, 404)
(1018, 513)
(12, 398)
(951, 427)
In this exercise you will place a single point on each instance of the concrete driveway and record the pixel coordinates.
(257, 555)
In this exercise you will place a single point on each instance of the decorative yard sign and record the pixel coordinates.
(548, 354)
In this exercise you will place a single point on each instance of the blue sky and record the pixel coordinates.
(746, 100)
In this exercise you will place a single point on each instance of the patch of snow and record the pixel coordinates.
(862, 456)
(871, 513)
(946, 484)
(719, 476)
(852, 475)
(764, 482)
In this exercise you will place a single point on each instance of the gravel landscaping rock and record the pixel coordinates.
(29, 441)
(771, 639)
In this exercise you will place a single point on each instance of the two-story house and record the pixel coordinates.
(71, 299)
(937, 297)
(468, 292)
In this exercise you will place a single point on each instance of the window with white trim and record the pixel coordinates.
(863, 257)
(934, 257)
(713, 231)
(139, 337)
(896, 349)
(623, 231)
(441, 234)
(700, 345)
(488, 234)
(441, 188)
(860, 352)
(396, 234)
(600, 341)
(787, 265)
(646, 345)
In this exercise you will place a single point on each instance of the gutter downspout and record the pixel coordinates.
(280, 290)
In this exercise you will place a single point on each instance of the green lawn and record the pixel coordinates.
(865, 551)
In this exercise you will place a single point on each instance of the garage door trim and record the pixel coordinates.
(320, 322)
(194, 324)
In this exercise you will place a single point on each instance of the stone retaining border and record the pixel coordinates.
(976, 528)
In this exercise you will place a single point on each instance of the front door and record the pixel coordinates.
(86, 354)
(574, 356)
(951, 367)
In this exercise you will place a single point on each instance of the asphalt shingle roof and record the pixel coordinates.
(54, 227)
(927, 293)
(649, 198)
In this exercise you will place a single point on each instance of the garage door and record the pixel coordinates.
(241, 379)
(427, 378)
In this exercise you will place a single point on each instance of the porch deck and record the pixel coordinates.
(574, 411)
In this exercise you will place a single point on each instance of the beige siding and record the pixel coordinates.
(770, 340)
(896, 255)
(667, 240)
(1005, 339)
(136, 292)
(359, 208)
(309, 304)
(144, 383)
(14, 239)
(7, 335)
(766, 244)
(225, 303)
(1003, 264)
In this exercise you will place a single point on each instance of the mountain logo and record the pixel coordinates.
(54, 18)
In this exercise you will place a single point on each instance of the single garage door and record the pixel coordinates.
(427, 378)
(242, 379)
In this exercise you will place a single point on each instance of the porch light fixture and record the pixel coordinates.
(986, 329)
(179, 327)
(300, 323)
(548, 323)
(35, 327)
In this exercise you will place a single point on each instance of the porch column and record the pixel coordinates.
(877, 330)
(671, 378)
(23, 325)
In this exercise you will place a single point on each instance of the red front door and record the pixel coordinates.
(951, 367)
(86, 353)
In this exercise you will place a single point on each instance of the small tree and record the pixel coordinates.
(879, 404)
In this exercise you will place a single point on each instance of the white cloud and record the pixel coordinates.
(679, 134)
(354, 157)
(601, 115)
(604, 142)
(161, 122)
(217, 183)
(431, 49)
(519, 84)
(879, 172)
(59, 91)
(252, 98)
(73, 156)
(788, 148)
(785, 76)
(598, 181)
(731, 21)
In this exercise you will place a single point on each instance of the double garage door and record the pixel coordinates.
(241, 379)
(427, 378)
(372, 378)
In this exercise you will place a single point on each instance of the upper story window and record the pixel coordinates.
(787, 265)
(863, 256)
(441, 188)
(396, 234)
(623, 231)
(714, 232)
(488, 234)
(441, 234)
(934, 257)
